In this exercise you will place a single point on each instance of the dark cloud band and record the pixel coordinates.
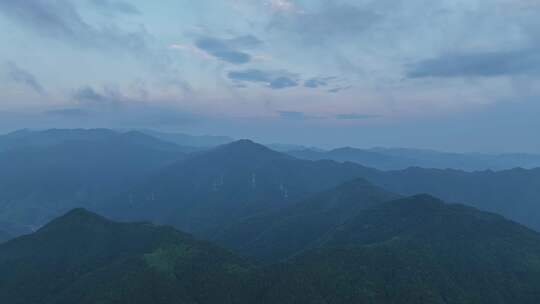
(19, 75)
(488, 64)
(272, 79)
(228, 50)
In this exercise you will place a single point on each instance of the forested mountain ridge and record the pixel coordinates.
(134, 176)
(196, 141)
(275, 236)
(52, 137)
(59, 170)
(235, 181)
(84, 258)
(420, 250)
(513, 193)
(412, 250)
(215, 188)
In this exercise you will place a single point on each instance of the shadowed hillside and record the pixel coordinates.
(84, 258)
(57, 170)
(212, 189)
(279, 235)
(420, 250)
(412, 250)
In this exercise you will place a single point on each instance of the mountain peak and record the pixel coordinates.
(249, 148)
(81, 213)
(76, 218)
(140, 137)
(244, 143)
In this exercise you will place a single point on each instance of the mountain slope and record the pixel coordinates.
(514, 193)
(4, 236)
(413, 250)
(201, 142)
(38, 183)
(84, 258)
(420, 250)
(279, 235)
(213, 189)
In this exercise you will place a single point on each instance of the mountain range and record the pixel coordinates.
(411, 250)
(420, 250)
(400, 158)
(276, 236)
(84, 258)
(210, 190)
(194, 141)
(47, 173)
(134, 176)
(513, 193)
(247, 224)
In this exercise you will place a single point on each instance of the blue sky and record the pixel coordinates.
(460, 75)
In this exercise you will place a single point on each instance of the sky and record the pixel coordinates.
(453, 75)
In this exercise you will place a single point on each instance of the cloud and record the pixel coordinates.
(21, 76)
(488, 64)
(221, 51)
(319, 82)
(116, 6)
(339, 89)
(132, 108)
(228, 50)
(315, 83)
(327, 21)
(296, 115)
(356, 116)
(88, 95)
(283, 82)
(292, 115)
(282, 5)
(74, 113)
(61, 20)
(272, 79)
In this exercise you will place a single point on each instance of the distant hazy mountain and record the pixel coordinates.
(278, 235)
(413, 250)
(289, 147)
(211, 189)
(53, 171)
(134, 176)
(46, 138)
(397, 159)
(514, 193)
(201, 141)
